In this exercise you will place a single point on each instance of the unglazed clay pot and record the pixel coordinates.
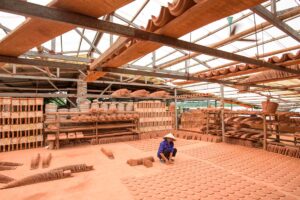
(243, 67)
(233, 69)
(215, 72)
(209, 74)
(224, 71)
(269, 107)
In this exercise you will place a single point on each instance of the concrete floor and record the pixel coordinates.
(202, 170)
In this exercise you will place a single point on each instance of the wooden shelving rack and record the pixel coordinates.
(21, 123)
(282, 129)
(244, 128)
(204, 121)
(68, 126)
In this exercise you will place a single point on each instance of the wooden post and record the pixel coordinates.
(265, 132)
(176, 114)
(97, 129)
(207, 121)
(276, 119)
(58, 130)
(222, 113)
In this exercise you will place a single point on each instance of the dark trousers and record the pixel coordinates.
(167, 153)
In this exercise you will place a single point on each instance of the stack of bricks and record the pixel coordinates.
(153, 116)
(205, 121)
(21, 123)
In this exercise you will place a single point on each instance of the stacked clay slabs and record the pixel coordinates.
(179, 18)
(218, 73)
(193, 179)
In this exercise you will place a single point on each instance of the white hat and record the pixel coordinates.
(170, 135)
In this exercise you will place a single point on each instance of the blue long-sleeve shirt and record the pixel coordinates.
(165, 145)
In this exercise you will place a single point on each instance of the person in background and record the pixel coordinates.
(166, 151)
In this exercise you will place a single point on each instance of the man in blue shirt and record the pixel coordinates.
(166, 150)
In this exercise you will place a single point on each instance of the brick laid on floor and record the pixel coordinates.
(274, 169)
(194, 179)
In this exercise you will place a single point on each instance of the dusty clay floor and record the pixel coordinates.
(202, 170)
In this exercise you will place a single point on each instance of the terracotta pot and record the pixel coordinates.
(269, 107)
(297, 55)
(243, 67)
(233, 69)
(274, 59)
(224, 71)
(202, 75)
(208, 74)
(285, 57)
(215, 73)
(252, 66)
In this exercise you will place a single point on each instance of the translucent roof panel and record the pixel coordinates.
(269, 39)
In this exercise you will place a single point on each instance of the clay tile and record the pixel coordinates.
(150, 26)
(163, 18)
(180, 6)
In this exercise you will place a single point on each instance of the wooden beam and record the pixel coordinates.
(43, 63)
(33, 10)
(273, 19)
(34, 31)
(199, 15)
(249, 71)
(173, 76)
(232, 38)
(271, 53)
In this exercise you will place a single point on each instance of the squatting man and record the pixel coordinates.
(166, 151)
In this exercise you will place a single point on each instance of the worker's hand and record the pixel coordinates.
(167, 162)
(171, 161)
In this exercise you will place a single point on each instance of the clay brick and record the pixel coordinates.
(132, 162)
(35, 162)
(147, 163)
(140, 161)
(46, 161)
(108, 153)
